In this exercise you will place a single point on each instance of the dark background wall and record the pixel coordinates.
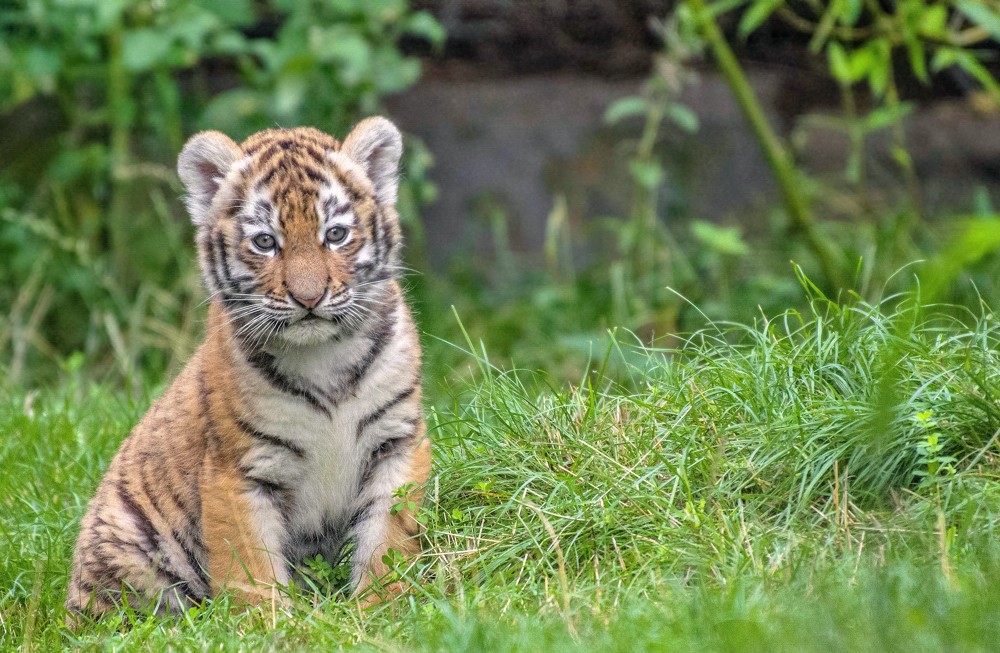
(512, 110)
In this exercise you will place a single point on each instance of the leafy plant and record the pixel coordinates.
(861, 41)
(933, 467)
(327, 578)
(96, 99)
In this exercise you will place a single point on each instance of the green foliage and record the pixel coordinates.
(755, 488)
(324, 577)
(865, 44)
(96, 100)
(932, 467)
(328, 63)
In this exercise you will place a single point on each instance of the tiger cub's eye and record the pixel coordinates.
(335, 235)
(264, 242)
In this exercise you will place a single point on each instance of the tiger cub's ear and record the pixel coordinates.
(202, 165)
(376, 145)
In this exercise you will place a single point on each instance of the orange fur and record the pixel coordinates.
(292, 424)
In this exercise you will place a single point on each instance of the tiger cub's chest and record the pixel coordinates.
(315, 444)
(313, 459)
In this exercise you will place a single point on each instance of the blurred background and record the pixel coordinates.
(572, 166)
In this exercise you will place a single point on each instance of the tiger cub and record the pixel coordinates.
(298, 418)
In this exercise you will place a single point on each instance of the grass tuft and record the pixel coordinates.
(816, 481)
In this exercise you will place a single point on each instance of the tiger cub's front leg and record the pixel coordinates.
(243, 533)
(376, 529)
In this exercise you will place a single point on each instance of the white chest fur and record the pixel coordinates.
(320, 465)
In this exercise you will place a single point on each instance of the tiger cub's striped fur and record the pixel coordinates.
(293, 424)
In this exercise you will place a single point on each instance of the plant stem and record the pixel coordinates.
(117, 98)
(777, 156)
(646, 245)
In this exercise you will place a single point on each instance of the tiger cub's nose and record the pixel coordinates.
(308, 302)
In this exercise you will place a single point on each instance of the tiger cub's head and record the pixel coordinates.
(298, 234)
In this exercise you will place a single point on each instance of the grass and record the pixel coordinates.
(817, 481)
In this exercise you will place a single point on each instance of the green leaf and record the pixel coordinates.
(344, 46)
(43, 66)
(850, 12)
(625, 107)
(392, 72)
(422, 23)
(886, 116)
(756, 15)
(840, 66)
(881, 62)
(862, 61)
(933, 21)
(918, 58)
(724, 240)
(981, 15)
(648, 175)
(825, 26)
(230, 43)
(719, 7)
(902, 157)
(945, 57)
(684, 117)
(289, 94)
(108, 11)
(234, 12)
(144, 48)
(978, 239)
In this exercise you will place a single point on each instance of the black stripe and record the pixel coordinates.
(211, 435)
(227, 273)
(327, 540)
(268, 154)
(306, 148)
(353, 193)
(312, 174)
(208, 244)
(361, 514)
(252, 261)
(170, 579)
(379, 412)
(142, 520)
(266, 180)
(380, 337)
(143, 460)
(179, 501)
(153, 551)
(280, 495)
(257, 434)
(386, 450)
(192, 559)
(270, 439)
(331, 208)
(264, 364)
(270, 486)
(256, 147)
